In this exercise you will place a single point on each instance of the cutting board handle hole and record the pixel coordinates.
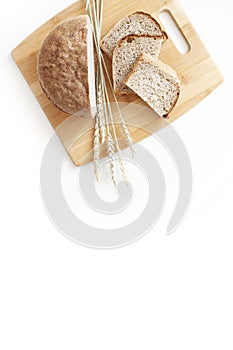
(174, 32)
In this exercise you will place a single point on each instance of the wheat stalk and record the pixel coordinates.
(99, 132)
(96, 149)
(122, 167)
(104, 114)
(102, 91)
(124, 126)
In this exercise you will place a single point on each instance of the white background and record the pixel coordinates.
(162, 292)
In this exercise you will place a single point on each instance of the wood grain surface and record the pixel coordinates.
(198, 74)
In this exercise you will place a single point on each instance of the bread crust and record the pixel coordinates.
(120, 21)
(175, 102)
(63, 66)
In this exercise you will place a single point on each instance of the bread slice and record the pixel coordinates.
(126, 54)
(66, 67)
(156, 83)
(136, 23)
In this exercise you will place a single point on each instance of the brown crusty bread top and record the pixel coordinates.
(63, 65)
(135, 24)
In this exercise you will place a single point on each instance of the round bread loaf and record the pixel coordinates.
(66, 67)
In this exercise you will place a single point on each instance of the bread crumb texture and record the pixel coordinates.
(136, 23)
(156, 83)
(126, 54)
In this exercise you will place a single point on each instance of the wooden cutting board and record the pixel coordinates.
(198, 74)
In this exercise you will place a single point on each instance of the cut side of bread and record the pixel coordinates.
(66, 67)
(156, 83)
(136, 23)
(126, 54)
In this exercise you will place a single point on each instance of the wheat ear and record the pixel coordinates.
(111, 150)
(100, 114)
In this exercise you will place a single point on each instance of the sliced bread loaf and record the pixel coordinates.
(66, 67)
(126, 54)
(136, 23)
(156, 83)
